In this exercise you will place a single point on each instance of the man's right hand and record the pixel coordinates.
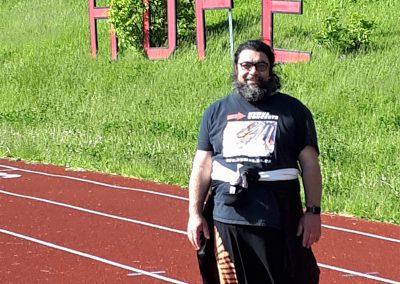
(199, 185)
(197, 225)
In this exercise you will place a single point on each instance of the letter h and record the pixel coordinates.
(97, 13)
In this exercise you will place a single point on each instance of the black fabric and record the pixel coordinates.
(249, 176)
(255, 206)
(296, 128)
(257, 252)
(299, 263)
(269, 135)
(205, 255)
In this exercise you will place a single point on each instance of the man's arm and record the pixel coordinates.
(310, 224)
(198, 187)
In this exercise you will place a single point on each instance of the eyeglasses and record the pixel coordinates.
(260, 66)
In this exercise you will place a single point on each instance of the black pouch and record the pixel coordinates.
(248, 177)
(234, 199)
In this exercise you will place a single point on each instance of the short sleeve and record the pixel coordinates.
(203, 141)
(309, 133)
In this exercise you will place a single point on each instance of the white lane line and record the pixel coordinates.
(100, 259)
(96, 212)
(139, 274)
(355, 273)
(368, 273)
(184, 198)
(7, 175)
(173, 230)
(361, 233)
(98, 183)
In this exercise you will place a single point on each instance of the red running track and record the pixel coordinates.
(72, 227)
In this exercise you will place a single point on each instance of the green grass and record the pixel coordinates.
(140, 118)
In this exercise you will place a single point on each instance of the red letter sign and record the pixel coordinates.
(157, 52)
(96, 13)
(268, 8)
(202, 5)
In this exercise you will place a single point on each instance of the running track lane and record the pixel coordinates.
(350, 280)
(24, 261)
(69, 238)
(334, 251)
(317, 247)
(139, 246)
(117, 182)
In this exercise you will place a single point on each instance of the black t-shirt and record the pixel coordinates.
(270, 135)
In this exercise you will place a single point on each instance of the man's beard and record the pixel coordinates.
(255, 93)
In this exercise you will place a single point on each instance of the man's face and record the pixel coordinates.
(252, 68)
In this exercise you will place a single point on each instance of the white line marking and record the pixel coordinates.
(385, 280)
(7, 175)
(361, 233)
(368, 273)
(96, 212)
(181, 232)
(98, 183)
(83, 254)
(139, 274)
(184, 198)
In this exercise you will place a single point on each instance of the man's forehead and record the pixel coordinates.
(252, 56)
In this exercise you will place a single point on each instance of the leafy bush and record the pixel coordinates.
(158, 22)
(186, 20)
(127, 19)
(346, 36)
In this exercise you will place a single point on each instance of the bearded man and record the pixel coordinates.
(252, 146)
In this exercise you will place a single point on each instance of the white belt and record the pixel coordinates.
(222, 173)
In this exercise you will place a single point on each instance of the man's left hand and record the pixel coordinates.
(310, 226)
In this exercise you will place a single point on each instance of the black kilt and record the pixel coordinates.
(298, 263)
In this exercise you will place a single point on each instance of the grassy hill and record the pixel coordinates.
(140, 118)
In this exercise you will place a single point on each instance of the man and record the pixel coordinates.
(252, 146)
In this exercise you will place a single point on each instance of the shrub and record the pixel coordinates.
(127, 19)
(186, 20)
(346, 35)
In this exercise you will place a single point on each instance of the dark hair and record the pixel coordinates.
(260, 46)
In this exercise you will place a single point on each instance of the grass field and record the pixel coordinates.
(140, 118)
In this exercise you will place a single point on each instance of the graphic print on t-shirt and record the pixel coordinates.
(250, 138)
